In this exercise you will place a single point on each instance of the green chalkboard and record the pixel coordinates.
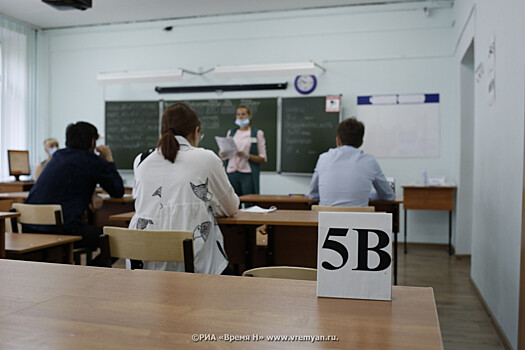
(307, 131)
(131, 128)
(217, 116)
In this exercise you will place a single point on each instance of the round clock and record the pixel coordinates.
(305, 84)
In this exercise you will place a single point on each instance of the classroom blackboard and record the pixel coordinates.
(217, 116)
(132, 127)
(307, 131)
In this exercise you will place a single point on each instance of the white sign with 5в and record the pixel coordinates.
(354, 257)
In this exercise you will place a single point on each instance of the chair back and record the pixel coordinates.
(176, 246)
(38, 214)
(284, 272)
(356, 209)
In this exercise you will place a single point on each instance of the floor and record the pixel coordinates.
(464, 322)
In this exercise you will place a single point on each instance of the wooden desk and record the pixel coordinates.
(16, 186)
(100, 217)
(40, 247)
(430, 198)
(279, 201)
(112, 206)
(79, 307)
(18, 197)
(304, 203)
(3, 217)
(292, 238)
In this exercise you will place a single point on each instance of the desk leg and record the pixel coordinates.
(68, 254)
(270, 256)
(405, 243)
(248, 247)
(395, 258)
(2, 239)
(450, 232)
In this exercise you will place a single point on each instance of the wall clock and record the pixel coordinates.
(305, 84)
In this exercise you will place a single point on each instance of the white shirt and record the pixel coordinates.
(344, 176)
(185, 195)
(243, 141)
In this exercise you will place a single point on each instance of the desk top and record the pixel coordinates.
(7, 215)
(433, 188)
(272, 198)
(277, 217)
(23, 195)
(277, 198)
(84, 307)
(21, 243)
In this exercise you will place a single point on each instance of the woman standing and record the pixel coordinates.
(181, 187)
(243, 168)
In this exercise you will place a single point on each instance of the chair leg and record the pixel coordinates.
(187, 246)
(76, 258)
(89, 256)
(105, 254)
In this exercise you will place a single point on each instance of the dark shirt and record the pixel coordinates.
(70, 179)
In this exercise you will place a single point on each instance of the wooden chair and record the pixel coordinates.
(285, 272)
(45, 214)
(118, 242)
(356, 209)
(37, 214)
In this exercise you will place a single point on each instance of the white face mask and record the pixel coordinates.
(242, 122)
(52, 150)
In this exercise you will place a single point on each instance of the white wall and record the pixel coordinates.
(498, 155)
(366, 50)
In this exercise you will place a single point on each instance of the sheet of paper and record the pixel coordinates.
(227, 146)
(257, 209)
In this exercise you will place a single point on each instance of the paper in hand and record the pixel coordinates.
(226, 146)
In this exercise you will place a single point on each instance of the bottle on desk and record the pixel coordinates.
(424, 178)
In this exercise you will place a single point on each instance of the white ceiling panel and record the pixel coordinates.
(40, 15)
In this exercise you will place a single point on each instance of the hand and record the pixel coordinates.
(105, 152)
(243, 155)
(222, 155)
(96, 203)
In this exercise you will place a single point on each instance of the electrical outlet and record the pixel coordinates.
(261, 237)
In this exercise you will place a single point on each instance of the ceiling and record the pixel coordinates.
(40, 15)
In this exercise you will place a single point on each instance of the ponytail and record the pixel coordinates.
(178, 119)
(169, 146)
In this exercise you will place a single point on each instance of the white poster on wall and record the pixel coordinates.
(400, 126)
(354, 255)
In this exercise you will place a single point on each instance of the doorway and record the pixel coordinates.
(466, 170)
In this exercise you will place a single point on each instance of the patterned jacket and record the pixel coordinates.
(185, 195)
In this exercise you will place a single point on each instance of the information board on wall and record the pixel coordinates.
(400, 126)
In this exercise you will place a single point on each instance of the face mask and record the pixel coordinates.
(242, 122)
(52, 150)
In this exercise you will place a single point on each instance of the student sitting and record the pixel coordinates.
(50, 146)
(181, 187)
(344, 176)
(70, 178)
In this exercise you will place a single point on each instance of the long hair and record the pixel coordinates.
(178, 119)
